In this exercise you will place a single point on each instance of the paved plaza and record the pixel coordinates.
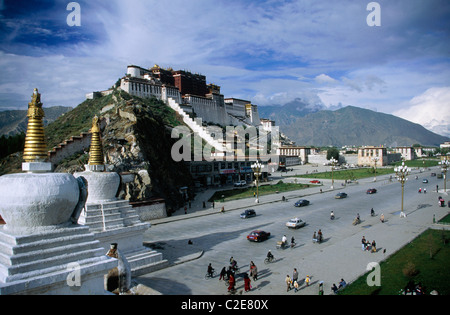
(216, 236)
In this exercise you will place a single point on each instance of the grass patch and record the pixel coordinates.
(240, 193)
(424, 260)
(349, 174)
(419, 163)
(445, 220)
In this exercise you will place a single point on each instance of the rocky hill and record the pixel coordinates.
(349, 126)
(136, 136)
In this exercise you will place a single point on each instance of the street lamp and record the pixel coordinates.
(333, 162)
(444, 165)
(402, 172)
(375, 160)
(256, 167)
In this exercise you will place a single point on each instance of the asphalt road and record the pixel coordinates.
(219, 236)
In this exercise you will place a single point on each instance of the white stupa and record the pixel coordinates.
(112, 220)
(42, 249)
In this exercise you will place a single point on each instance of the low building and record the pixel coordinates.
(369, 155)
(408, 153)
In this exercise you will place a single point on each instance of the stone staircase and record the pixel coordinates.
(118, 222)
(196, 126)
(24, 257)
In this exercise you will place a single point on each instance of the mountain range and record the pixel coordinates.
(304, 122)
(312, 124)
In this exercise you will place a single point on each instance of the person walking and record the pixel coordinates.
(247, 283)
(307, 280)
(295, 275)
(253, 271)
(288, 283)
(231, 283)
(296, 286)
(363, 243)
(223, 273)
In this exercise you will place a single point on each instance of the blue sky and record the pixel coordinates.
(269, 52)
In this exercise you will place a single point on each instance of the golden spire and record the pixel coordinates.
(35, 148)
(96, 150)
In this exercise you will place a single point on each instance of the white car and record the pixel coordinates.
(241, 183)
(295, 223)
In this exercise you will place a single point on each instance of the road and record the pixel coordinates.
(220, 236)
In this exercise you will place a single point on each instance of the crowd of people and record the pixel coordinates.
(230, 274)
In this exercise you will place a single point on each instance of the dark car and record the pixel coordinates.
(425, 181)
(258, 236)
(341, 195)
(301, 203)
(248, 214)
(371, 191)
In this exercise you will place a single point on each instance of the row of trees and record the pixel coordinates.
(11, 144)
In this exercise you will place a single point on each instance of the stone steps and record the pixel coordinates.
(47, 252)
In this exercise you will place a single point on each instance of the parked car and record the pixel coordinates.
(248, 214)
(258, 236)
(425, 181)
(371, 191)
(301, 203)
(341, 195)
(439, 175)
(240, 183)
(315, 181)
(295, 223)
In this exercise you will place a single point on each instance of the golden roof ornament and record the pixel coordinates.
(96, 149)
(35, 147)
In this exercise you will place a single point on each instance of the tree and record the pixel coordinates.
(333, 153)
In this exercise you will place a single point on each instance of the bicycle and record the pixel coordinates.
(269, 260)
(210, 276)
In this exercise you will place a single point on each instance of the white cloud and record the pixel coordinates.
(323, 78)
(430, 109)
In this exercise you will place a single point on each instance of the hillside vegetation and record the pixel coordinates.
(136, 137)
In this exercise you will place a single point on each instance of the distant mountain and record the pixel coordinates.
(288, 113)
(355, 126)
(15, 121)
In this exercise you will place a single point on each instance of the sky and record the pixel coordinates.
(326, 52)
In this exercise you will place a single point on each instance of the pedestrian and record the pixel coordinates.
(363, 243)
(185, 210)
(247, 283)
(382, 218)
(295, 275)
(374, 247)
(296, 286)
(253, 271)
(231, 283)
(288, 283)
(307, 280)
(213, 204)
(223, 273)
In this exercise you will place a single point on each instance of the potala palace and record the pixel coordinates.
(192, 93)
